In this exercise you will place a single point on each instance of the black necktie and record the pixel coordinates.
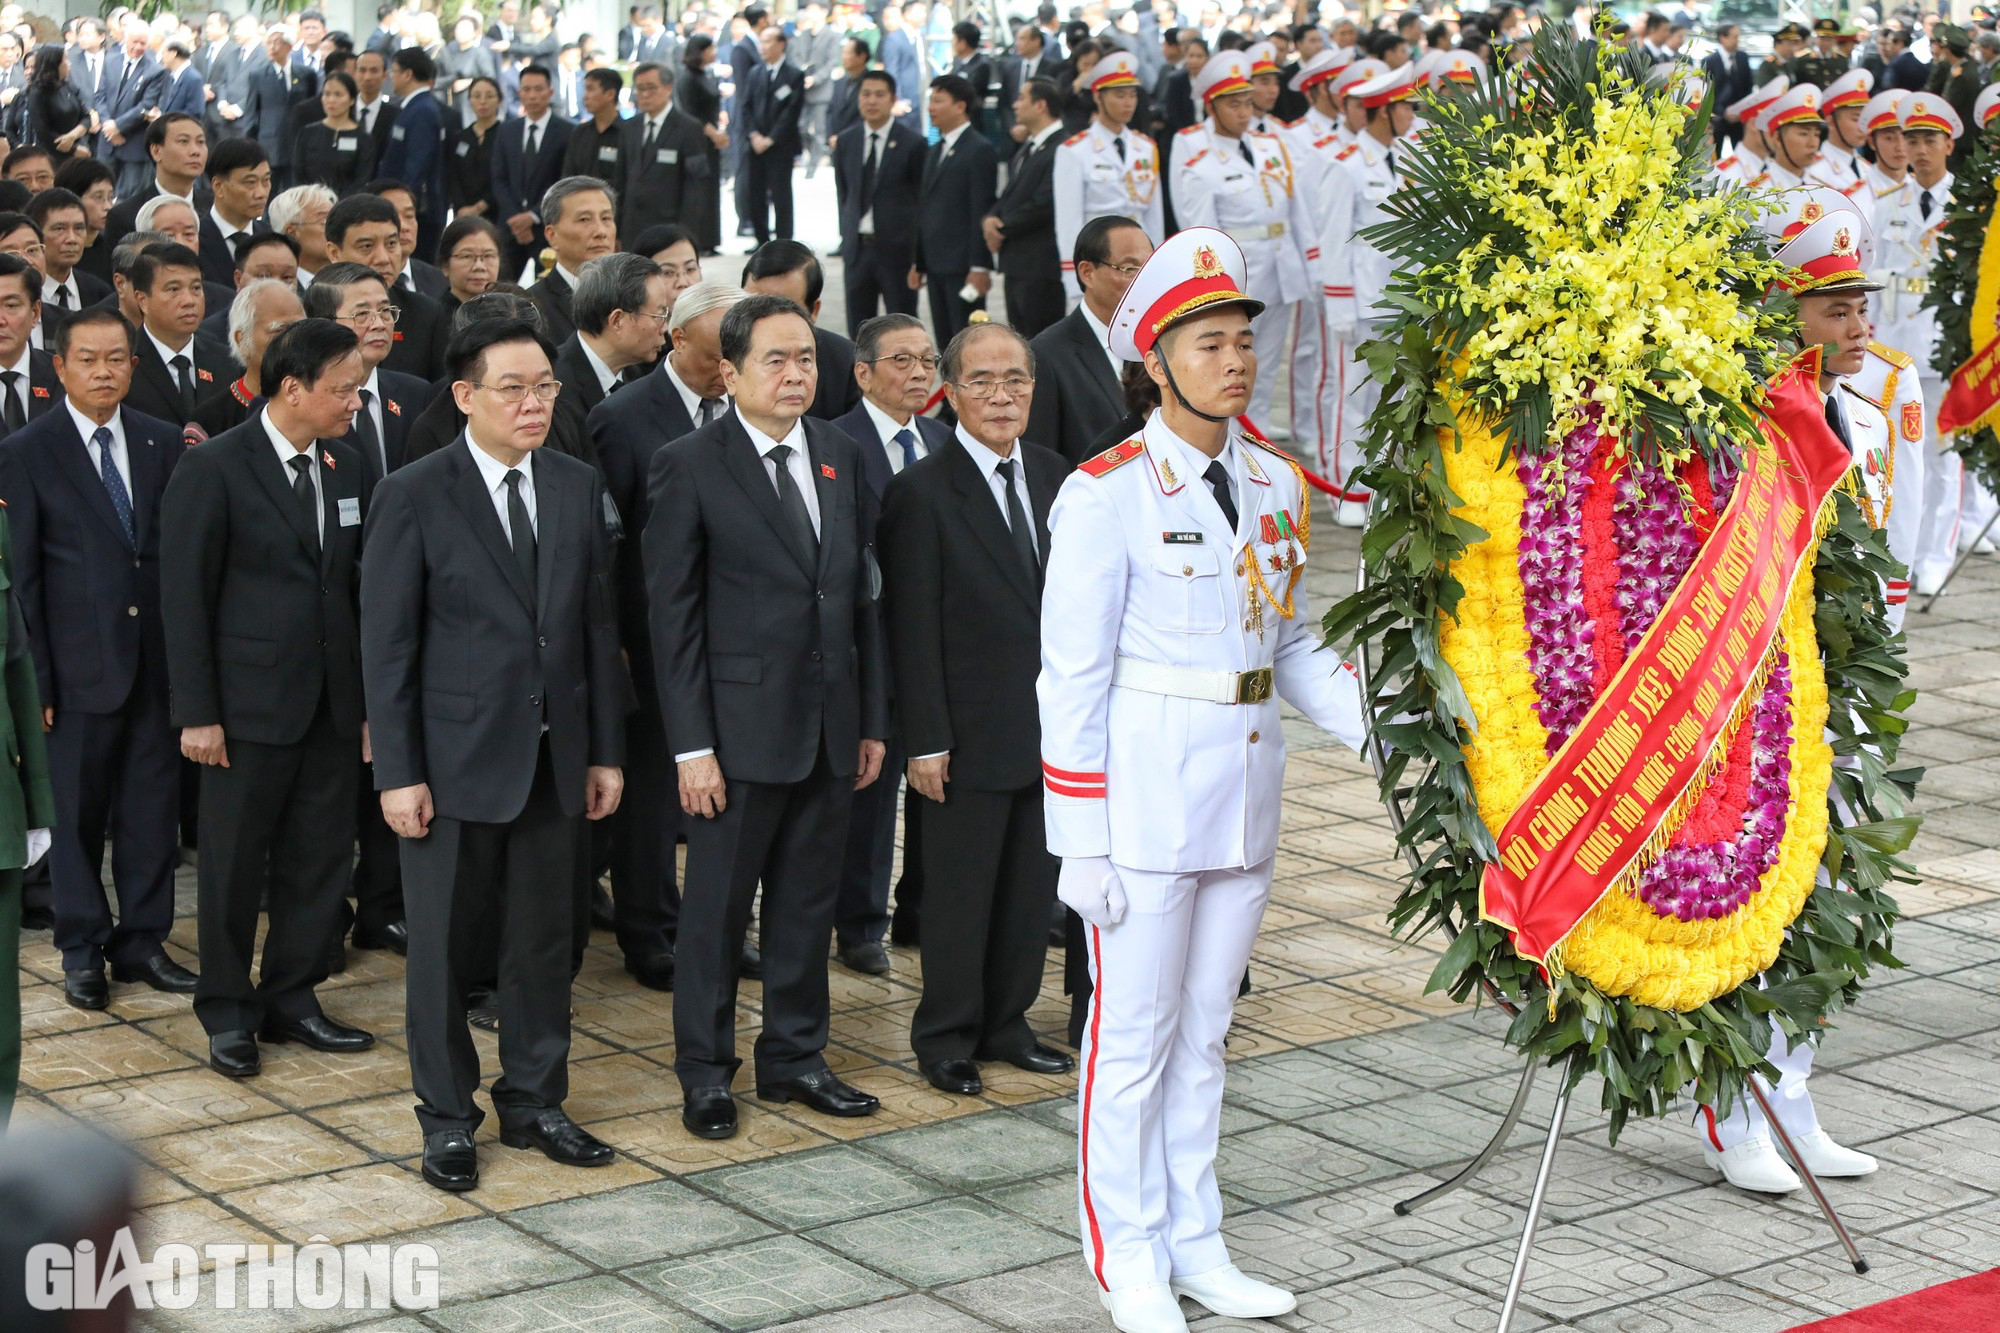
(1924, 204)
(793, 503)
(1244, 149)
(371, 440)
(236, 239)
(1017, 522)
(646, 148)
(868, 171)
(184, 376)
(708, 410)
(1217, 478)
(62, 296)
(1838, 419)
(1119, 144)
(15, 416)
(302, 490)
(523, 530)
(368, 120)
(534, 140)
(1392, 161)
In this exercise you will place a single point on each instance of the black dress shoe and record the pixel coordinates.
(395, 937)
(652, 973)
(37, 918)
(85, 988)
(823, 1092)
(868, 958)
(450, 1162)
(960, 1077)
(750, 963)
(560, 1138)
(319, 1032)
(1037, 1059)
(710, 1113)
(603, 916)
(234, 1053)
(160, 972)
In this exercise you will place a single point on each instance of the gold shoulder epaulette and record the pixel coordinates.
(1117, 456)
(1076, 138)
(1321, 143)
(1347, 152)
(1900, 360)
(1142, 138)
(1190, 161)
(1880, 407)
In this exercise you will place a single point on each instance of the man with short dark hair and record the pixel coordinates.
(1021, 228)
(355, 296)
(29, 385)
(366, 229)
(177, 147)
(769, 671)
(527, 160)
(261, 547)
(961, 172)
(495, 706)
(239, 178)
(791, 270)
(659, 152)
(82, 486)
(580, 216)
(268, 254)
(416, 143)
(594, 142)
(373, 106)
(65, 235)
(174, 365)
(32, 166)
(878, 170)
(1078, 393)
(622, 305)
(768, 110)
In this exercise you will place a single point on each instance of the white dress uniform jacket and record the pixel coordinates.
(1889, 382)
(1093, 180)
(1353, 276)
(1905, 246)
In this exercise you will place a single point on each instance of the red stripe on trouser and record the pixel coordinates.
(1083, 1121)
(1340, 420)
(1319, 389)
(1708, 1114)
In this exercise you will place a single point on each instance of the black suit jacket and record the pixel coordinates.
(45, 391)
(958, 191)
(267, 109)
(262, 611)
(1027, 210)
(430, 280)
(838, 392)
(518, 184)
(552, 296)
(963, 616)
(403, 398)
(77, 574)
(463, 662)
(218, 262)
(421, 334)
(898, 183)
(154, 391)
(1077, 398)
(875, 470)
(123, 219)
(765, 653)
(769, 104)
(668, 184)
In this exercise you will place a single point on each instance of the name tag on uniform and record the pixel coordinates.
(346, 145)
(783, 92)
(397, 132)
(350, 513)
(1182, 538)
(607, 155)
(1233, 177)
(463, 148)
(667, 157)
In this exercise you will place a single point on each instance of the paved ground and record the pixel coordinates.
(1349, 1090)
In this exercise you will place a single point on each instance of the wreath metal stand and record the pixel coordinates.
(1378, 758)
(1959, 563)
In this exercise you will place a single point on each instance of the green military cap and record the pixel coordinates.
(1791, 32)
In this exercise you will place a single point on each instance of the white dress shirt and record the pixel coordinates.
(368, 113)
(287, 451)
(494, 473)
(799, 464)
(568, 277)
(877, 142)
(21, 385)
(120, 458)
(885, 429)
(373, 387)
(50, 287)
(167, 355)
(988, 463)
(540, 128)
(691, 400)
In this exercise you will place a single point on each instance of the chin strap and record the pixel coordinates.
(1183, 397)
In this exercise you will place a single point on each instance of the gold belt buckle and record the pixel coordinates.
(1916, 286)
(1253, 687)
(1277, 230)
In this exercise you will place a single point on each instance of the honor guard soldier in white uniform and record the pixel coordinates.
(1882, 121)
(1173, 621)
(1353, 113)
(1267, 80)
(1316, 140)
(1315, 82)
(1108, 169)
(1906, 234)
(1747, 162)
(1840, 161)
(1232, 178)
(1353, 274)
(1793, 129)
(1833, 292)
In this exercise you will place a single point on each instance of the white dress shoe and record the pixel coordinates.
(1827, 1159)
(1148, 1307)
(1927, 582)
(1984, 546)
(1231, 1292)
(1755, 1165)
(1351, 513)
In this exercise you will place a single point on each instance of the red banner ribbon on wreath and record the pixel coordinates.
(1603, 807)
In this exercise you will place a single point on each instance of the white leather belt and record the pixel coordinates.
(1215, 687)
(1264, 231)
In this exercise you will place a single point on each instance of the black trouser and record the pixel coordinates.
(644, 897)
(765, 184)
(378, 873)
(1034, 303)
(789, 836)
(948, 313)
(878, 274)
(986, 922)
(115, 770)
(861, 909)
(906, 925)
(274, 820)
(457, 877)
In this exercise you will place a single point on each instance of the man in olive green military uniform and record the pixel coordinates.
(1828, 56)
(1786, 44)
(1958, 78)
(27, 810)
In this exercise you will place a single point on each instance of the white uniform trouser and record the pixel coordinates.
(1790, 1099)
(1347, 399)
(1166, 978)
(1308, 362)
(1273, 331)
(1906, 517)
(1944, 476)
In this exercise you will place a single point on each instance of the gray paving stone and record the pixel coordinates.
(1299, 1254)
(1962, 1076)
(1572, 1273)
(487, 1257)
(636, 1225)
(1863, 1035)
(1824, 1281)
(1970, 1236)
(1050, 1201)
(205, 1315)
(1432, 1055)
(1712, 1307)
(979, 1151)
(1893, 1195)
(810, 1189)
(1421, 1130)
(1966, 1150)
(1053, 1297)
(904, 1314)
(1295, 1084)
(951, 1240)
(598, 1304)
(1061, 1113)
(1938, 1006)
(765, 1282)
(1588, 1179)
(1857, 1112)
(1404, 1300)
(1716, 1231)
(1284, 1163)
(1461, 1220)
(1933, 949)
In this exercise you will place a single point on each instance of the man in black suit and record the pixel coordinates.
(790, 270)
(527, 160)
(131, 86)
(65, 228)
(354, 296)
(178, 150)
(265, 255)
(416, 275)
(662, 157)
(174, 364)
(685, 392)
(260, 558)
(373, 107)
(274, 88)
(82, 487)
(1021, 229)
(229, 77)
(961, 173)
(582, 224)
(877, 171)
(29, 385)
(964, 629)
(495, 703)
(1078, 396)
(769, 663)
(365, 229)
(986, 110)
(895, 364)
(844, 113)
(768, 117)
(621, 305)
(239, 179)
(1727, 69)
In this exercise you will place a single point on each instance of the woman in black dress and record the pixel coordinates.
(469, 169)
(335, 153)
(469, 253)
(698, 94)
(57, 117)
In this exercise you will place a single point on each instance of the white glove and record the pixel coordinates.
(1348, 334)
(38, 845)
(1089, 887)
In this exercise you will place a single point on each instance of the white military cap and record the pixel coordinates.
(1193, 271)
(1928, 111)
(1356, 74)
(1226, 72)
(1799, 106)
(1825, 257)
(1884, 111)
(1850, 89)
(1328, 64)
(1743, 108)
(1120, 69)
(1398, 85)
(1986, 106)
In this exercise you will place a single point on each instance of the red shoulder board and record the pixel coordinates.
(1190, 161)
(1726, 163)
(1347, 152)
(1076, 138)
(1140, 137)
(1190, 129)
(1115, 457)
(1321, 143)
